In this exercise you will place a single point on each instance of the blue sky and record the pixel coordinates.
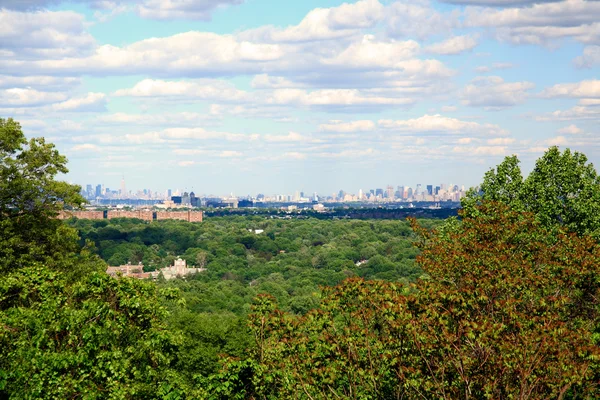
(248, 96)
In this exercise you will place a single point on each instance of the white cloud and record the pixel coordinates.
(444, 125)
(17, 97)
(496, 3)
(85, 147)
(583, 89)
(481, 150)
(265, 81)
(346, 127)
(493, 93)
(501, 141)
(570, 130)
(323, 23)
(230, 154)
(495, 66)
(190, 53)
(44, 34)
(333, 98)
(372, 53)
(89, 103)
(290, 137)
(557, 141)
(175, 9)
(453, 45)
(47, 83)
(205, 89)
(449, 108)
(541, 23)
(575, 113)
(417, 18)
(153, 119)
(589, 58)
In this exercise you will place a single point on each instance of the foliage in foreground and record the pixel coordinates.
(67, 330)
(98, 338)
(508, 311)
(562, 191)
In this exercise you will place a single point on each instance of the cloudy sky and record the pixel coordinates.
(274, 96)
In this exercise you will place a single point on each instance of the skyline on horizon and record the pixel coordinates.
(251, 96)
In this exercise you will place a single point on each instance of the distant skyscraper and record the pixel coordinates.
(360, 194)
(379, 192)
(389, 192)
(98, 190)
(123, 188)
(169, 193)
(430, 189)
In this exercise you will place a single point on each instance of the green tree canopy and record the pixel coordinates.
(68, 330)
(30, 199)
(508, 309)
(562, 190)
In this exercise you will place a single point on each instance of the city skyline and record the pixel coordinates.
(406, 192)
(319, 94)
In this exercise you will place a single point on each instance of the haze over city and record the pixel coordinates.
(275, 97)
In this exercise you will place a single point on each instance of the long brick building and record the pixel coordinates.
(146, 215)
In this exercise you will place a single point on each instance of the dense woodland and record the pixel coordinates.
(290, 260)
(502, 303)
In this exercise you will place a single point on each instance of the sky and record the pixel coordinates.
(271, 96)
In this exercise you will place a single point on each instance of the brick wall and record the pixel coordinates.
(195, 216)
(145, 215)
(81, 214)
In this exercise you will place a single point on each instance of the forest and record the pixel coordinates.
(502, 302)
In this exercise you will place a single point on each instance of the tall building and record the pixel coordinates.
(379, 192)
(360, 194)
(98, 190)
(123, 191)
(389, 192)
(430, 190)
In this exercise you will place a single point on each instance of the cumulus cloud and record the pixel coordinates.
(290, 137)
(583, 89)
(92, 102)
(570, 130)
(416, 18)
(371, 53)
(453, 45)
(346, 127)
(574, 113)
(152, 9)
(323, 23)
(497, 3)
(44, 34)
(174, 9)
(541, 22)
(589, 58)
(495, 66)
(19, 97)
(205, 89)
(481, 150)
(47, 83)
(442, 125)
(85, 147)
(493, 93)
(340, 99)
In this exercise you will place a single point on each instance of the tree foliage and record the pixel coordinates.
(98, 338)
(562, 190)
(30, 199)
(66, 329)
(508, 310)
